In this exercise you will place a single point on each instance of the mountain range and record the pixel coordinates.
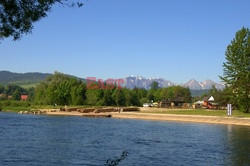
(141, 82)
(32, 78)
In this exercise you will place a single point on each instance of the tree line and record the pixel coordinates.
(65, 90)
(61, 89)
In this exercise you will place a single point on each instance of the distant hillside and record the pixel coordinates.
(22, 79)
(25, 80)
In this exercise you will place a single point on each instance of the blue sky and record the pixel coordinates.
(174, 39)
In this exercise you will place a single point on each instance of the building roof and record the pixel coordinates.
(165, 101)
(24, 97)
(208, 98)
(175, 99)
(178, 99)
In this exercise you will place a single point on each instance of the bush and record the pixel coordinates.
(14, 103)
(6, 103)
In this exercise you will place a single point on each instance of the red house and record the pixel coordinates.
(24, 97)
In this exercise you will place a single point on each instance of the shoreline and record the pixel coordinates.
(185, 118)
(162, 117)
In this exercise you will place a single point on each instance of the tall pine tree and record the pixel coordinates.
(237, 69)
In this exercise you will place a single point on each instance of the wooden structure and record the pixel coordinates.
(208, 102)
(174, 102)
(164, 104)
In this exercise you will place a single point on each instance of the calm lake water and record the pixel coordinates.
(60, 140)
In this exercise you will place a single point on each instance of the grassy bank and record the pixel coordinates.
(15, 109)
(16, 106)
(203, 112)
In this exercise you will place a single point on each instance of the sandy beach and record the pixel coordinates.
(162, 117)
(185, 118)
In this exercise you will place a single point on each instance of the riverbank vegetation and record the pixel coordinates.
(59, 90)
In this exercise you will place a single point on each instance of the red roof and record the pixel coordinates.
(24, 97)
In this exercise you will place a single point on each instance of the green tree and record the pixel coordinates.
(94, 97)
(132, 98)
(15, 91)
(107, 97)
(40, 93)
(142, 93)
(150, 95)
(167, 93)
(11, 88)
(182, 92)
(237, 69)
(176, 91)
(144, 100)
(16, 94)
(226, 97)
(135, 97)
(60, 89)
(78, 94)
(157, 95)
(2, 90)
(31, 93)
(17, 16)
(119, 97)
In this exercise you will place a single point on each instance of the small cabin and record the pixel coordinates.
(177, 101)
(174, 102)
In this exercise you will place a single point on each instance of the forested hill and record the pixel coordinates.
(7, 77)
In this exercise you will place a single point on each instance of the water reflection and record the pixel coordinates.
(238, 140)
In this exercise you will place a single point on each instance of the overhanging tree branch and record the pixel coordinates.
(17, 16)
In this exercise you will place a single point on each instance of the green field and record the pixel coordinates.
(25, 84)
